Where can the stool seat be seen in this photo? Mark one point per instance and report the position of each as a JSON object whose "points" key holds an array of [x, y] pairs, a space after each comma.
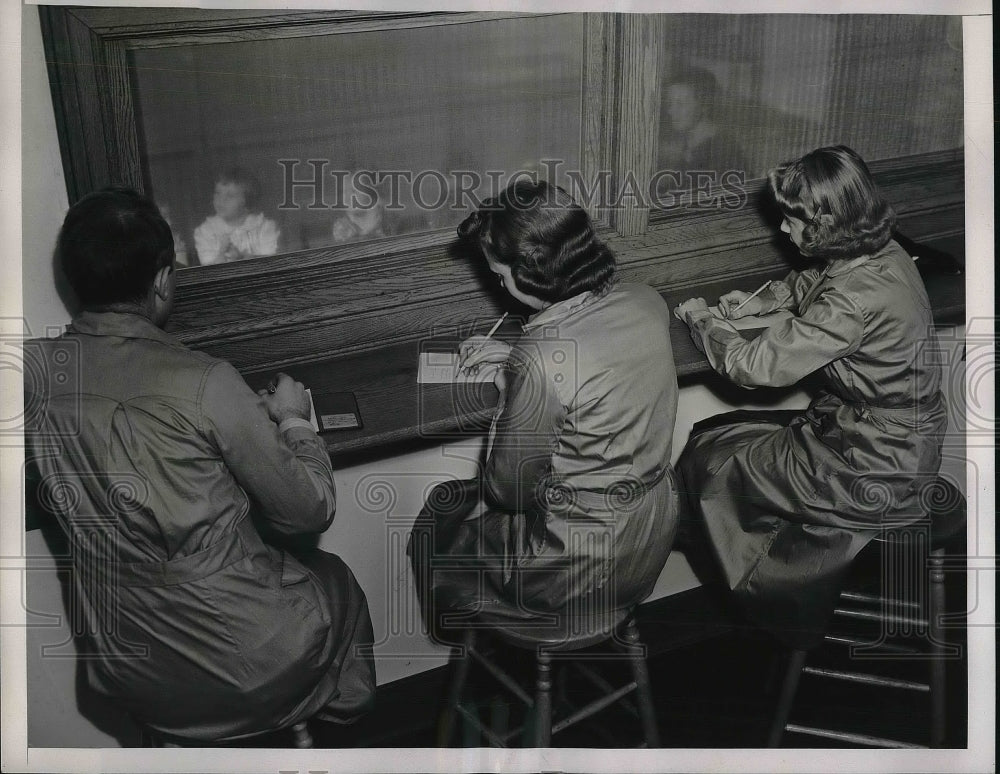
{"points": [[561, 632], [944, 517], [557, 640]]}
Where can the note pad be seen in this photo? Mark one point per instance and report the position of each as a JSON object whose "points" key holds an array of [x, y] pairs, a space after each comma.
{"points": [[442, 368], [337, 411]]}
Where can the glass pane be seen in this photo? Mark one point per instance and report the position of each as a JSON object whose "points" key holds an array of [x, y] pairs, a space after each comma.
{"points": [[745, 93], [424, 121]]}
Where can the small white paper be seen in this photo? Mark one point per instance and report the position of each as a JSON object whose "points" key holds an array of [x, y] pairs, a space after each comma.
{"points": [[339, 421], [442, 368], [312, 411]]}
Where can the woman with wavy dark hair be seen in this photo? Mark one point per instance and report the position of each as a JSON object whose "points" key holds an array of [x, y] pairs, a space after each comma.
{"points": [[577, 504], [788, 498]]}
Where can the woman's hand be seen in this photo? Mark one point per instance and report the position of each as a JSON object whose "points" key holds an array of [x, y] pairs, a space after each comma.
{"points": [[732, 299], [690, 310], [478, 351]]}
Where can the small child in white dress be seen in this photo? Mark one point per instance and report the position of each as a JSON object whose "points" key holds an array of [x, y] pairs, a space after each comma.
{"points": [[236, 231]]}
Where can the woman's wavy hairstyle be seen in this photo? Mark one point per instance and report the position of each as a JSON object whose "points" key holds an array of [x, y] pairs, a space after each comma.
{"points": [[834, 182], [545, 238]]}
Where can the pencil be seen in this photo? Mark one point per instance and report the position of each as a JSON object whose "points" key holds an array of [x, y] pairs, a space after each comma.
{"points": [[756, 293], [494, 329]]}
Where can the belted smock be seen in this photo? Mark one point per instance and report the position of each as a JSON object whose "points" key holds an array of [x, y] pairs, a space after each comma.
{"points": [[789, 498]]}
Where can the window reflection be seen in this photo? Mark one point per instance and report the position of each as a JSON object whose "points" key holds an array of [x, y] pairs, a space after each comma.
{"points": [[237, 229], [345, 138], [742, 93], [692, 137]]}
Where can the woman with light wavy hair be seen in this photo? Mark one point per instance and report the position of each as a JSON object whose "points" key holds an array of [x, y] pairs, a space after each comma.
{"points": [[788, 498]]}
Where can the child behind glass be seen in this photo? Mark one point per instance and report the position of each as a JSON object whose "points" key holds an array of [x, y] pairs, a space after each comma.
{"points": [[237, 230]]}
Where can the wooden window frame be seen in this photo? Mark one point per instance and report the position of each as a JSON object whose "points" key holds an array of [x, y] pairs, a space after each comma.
{"points": [[87, 50], [336, 301]]}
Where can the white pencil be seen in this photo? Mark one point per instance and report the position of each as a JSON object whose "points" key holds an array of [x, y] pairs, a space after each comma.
{"points": [[756, 293], [494, 329]]}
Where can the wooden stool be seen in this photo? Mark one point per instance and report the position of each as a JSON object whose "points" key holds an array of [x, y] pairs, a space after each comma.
{"points": [[908, 606], [550, 650], [300, 738]]}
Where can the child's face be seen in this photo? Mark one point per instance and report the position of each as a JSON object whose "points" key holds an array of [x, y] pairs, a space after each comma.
{"points": [[229, 201]]}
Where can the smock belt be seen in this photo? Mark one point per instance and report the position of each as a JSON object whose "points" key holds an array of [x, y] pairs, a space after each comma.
{"points": [[898, 410], [621, 495], [242, 541], [829, 401]]}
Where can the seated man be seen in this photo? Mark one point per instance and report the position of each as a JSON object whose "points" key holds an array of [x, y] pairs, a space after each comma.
{"points": [[160, 465]]}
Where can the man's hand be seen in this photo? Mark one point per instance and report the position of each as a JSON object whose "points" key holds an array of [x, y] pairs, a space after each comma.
{"points": [[285, 398]]}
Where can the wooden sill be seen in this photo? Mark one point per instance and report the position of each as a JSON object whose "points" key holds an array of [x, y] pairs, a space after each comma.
{"points": [[400, 415]]}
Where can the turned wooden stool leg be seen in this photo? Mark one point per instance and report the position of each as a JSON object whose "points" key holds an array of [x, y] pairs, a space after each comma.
{"points": [[301, 737], [789, 686], [935, 611], [543, 699], [643, 689], [446, 727]]}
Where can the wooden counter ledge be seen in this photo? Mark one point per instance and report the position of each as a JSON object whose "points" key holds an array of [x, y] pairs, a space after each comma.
{"points": [[399, 415]]}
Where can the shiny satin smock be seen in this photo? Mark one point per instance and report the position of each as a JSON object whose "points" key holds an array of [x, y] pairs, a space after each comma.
{"points": [[577, 504], [161, 466], [788, 499]]}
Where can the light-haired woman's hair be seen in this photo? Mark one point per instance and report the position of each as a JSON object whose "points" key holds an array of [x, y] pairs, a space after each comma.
{"points": [[545, 238], [832, 191]]}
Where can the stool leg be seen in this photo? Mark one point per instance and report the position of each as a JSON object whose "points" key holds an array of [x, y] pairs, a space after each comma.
{"points": [[643, 689], [446, 727], [543, 700], [789, 686], [936, 608]]}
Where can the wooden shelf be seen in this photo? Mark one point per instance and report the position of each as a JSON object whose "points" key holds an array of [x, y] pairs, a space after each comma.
{"points": [[399, 415]]}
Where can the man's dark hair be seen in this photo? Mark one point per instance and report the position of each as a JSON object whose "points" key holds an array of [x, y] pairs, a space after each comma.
{"points": [[111, 245]]}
